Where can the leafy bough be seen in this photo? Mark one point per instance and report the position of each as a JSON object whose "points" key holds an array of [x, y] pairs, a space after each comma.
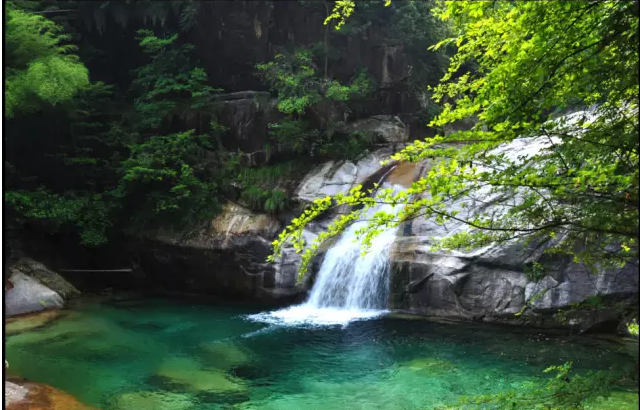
{"points": [[578, 191]]}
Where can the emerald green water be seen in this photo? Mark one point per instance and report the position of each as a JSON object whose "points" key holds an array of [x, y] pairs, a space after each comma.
{"points": [[199, 357]]}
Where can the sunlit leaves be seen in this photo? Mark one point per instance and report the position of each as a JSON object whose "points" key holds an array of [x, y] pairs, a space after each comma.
{"points": [[40, 68], [535, 59]]}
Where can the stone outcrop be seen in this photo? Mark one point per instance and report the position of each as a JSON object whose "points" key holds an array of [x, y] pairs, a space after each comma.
{"points": [[492, 282], [34, 287], [333, 177], [387, 128], [246, 114], [226, 257]]}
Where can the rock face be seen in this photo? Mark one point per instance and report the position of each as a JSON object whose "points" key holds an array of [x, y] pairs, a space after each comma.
{"points": [[331, 178], [246, 114], [227, 257], [387, 128], [492, 282], [35, 288]]}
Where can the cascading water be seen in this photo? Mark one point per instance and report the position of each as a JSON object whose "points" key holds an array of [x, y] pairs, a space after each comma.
{"points": [[349, 286], [349, 280]]}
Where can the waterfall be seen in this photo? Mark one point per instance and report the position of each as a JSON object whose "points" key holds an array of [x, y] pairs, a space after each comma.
{"points": [[349, 280], [349, 285]]}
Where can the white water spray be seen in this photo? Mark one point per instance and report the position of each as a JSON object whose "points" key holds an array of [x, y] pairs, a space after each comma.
{"points": [[349, 286]]}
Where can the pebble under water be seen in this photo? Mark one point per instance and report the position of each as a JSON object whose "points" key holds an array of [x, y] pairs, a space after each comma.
{"points": [[175, 355]]}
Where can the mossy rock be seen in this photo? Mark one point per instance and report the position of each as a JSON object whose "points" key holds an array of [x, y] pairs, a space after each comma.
{"points": [[431, 364], [187, 374], [151, 400], [224, 355]]}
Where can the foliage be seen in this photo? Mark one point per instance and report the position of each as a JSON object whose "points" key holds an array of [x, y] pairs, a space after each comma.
{"points": [[299, 88], [632, 328], [414, 24], [579, 192], [342, 9], [168, 85], [353, 146], [161, 175], [89, 214], [565, 391], [265, 188], [102, 168], [293, 133], [301, 91], [40, 68], [43, 74], [166, 175]]}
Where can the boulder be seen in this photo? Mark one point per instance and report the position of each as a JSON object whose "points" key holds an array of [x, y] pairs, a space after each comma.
{"points": [[14, 393], [46, 276], [34, 287], [29, 295]]}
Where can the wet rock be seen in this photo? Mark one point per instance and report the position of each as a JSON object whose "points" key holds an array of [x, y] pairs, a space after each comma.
{"points": [[328, 179], [334, 177], [225, 257], [403, 174]]}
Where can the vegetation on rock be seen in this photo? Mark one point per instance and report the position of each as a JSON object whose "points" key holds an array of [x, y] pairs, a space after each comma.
{"points": [[580, 192], [130, 145]]}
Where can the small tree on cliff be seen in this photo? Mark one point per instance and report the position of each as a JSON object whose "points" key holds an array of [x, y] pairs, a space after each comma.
{"points": [[534, 60], [304, 97]]}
